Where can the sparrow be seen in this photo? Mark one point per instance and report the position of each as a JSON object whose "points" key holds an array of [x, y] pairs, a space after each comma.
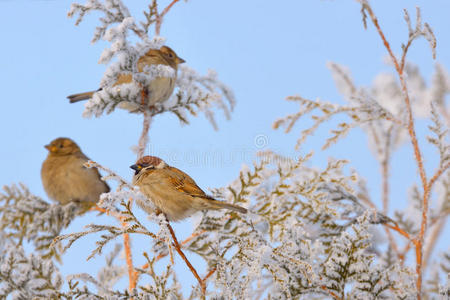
{"points": [[172, 191], [159, 89], [66, 179]]}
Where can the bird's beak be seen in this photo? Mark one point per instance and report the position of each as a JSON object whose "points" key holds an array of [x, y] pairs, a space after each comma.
{"points": [[180, 60], [136, 168], [50, 148]]}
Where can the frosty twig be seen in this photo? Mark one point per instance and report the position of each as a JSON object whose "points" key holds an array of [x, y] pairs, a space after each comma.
{"points": [[188, 263], [159, 17], [399, 67]]}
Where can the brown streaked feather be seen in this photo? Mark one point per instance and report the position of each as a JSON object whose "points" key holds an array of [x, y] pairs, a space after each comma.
{"points": [[152, 57], [184, 183], [123, 78], [174, 192]]}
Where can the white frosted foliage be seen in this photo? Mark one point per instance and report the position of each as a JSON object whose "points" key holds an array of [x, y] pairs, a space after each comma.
{"points": [[309, 232]]}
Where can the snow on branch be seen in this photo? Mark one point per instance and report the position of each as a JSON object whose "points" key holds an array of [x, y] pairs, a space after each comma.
{"points": [[194, 93], [365, 112], [309, 232], [28, 276], [379, 109], [124, 195], [298, 217], [114, 12], [26, 217], [440, 140], [199, 93]]}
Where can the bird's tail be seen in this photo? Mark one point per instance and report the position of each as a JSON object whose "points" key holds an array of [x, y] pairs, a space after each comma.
{"points": [[216, 204], [80, 97]]}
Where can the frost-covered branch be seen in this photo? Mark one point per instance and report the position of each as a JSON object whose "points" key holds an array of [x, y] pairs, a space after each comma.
{"points": [[399, 67], [441, 138], [420, 30], [27, 276], [297, 213], [195, 93], [364, 111], [386, 112], [26, 217]]}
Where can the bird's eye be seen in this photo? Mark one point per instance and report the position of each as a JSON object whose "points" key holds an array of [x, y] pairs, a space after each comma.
{"points": [[170, 55], [61, 146]]}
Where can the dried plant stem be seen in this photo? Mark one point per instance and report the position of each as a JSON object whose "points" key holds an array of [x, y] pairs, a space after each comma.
{"points": [[132, 278], [128, 254], [399, 70], [159, 17], [143, 140], [391, 239], [331, 293], [404, 252], [402, 232], [392, 242], [438, 174], [439, 225], [374, 19], [129, 260], [385, 197], [187, 240], [417, 244], [385, 163], [209, 274], [188, 263], [385, 179], [415, 144], [162, 255]]}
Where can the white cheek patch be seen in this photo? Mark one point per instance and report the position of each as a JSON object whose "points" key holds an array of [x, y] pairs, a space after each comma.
{"points": [[161, 165]]}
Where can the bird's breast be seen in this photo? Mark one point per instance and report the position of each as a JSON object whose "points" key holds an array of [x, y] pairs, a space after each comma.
{"points": [[160, 89]]}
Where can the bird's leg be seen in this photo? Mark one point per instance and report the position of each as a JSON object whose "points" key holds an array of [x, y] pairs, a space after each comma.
{"points": [[144, 95], [144, 98]]}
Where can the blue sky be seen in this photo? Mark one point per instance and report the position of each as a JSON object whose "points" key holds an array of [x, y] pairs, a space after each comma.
{"points": [[262, 50]]}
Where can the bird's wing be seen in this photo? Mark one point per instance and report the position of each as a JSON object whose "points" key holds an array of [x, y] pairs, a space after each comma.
{"points": [[152, 57], [123, 78], [184, 183], [94, 171]]}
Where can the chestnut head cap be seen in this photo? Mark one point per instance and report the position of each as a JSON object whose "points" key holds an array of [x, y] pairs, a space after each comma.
{"points": [[147, 162]]}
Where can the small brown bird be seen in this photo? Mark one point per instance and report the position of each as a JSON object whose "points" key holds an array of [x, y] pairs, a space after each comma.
{"points": [[65, 179], [159, 89], [173, 191]]}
